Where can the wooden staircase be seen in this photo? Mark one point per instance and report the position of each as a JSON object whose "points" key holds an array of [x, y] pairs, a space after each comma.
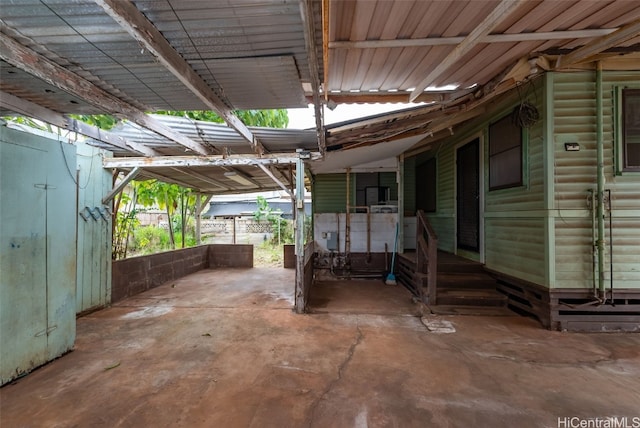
{"points": [[444, 280], [460, 283]]}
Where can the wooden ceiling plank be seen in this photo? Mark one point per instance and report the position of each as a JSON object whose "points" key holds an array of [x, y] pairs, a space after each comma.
{"points": [[600, 44], [129, 17], [43, 68], [497, 15]]}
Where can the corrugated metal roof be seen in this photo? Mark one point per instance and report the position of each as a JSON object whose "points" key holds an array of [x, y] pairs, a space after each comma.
{"points": [[210, 134], [81, 36], [401, 69]]}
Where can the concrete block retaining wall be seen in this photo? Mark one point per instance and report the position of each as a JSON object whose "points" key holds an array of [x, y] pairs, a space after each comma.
{"points": [[137, 274]]}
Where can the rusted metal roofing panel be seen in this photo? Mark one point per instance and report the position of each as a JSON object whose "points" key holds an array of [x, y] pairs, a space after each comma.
{"points": [[211, 134], [82, 37]]}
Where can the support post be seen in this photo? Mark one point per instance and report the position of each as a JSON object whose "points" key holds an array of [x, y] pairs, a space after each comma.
{"points": [[300, 295], [198, 218], [600, 182], [400, 183]]}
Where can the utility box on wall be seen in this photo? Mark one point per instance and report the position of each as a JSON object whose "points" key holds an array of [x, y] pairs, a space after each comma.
{"points": [[37, 251]]}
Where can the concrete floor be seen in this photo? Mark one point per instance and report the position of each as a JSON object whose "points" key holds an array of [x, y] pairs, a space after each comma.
{"points": [[223, 349]]}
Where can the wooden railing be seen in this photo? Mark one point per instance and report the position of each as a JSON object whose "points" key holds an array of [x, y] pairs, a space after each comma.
{"points": [[426, 257]]}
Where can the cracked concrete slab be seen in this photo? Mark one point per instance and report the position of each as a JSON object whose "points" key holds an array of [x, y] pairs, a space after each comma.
{"points": [[230, 352]]}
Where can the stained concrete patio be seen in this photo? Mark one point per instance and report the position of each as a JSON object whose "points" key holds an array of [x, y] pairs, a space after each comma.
{"points": [[222, 348]]}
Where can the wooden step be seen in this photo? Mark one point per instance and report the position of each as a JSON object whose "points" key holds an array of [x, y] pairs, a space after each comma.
{"points": [[489, 311], [465, 280], [460, 267], [471, 297]]}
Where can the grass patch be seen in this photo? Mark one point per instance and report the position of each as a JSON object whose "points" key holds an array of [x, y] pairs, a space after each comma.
{"points": [[268, 254]]}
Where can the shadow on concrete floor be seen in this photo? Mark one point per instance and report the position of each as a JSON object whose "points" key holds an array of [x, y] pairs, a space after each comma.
{"points": [[222, 348]]}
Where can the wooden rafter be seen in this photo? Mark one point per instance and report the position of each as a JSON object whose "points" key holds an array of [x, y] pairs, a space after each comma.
{"points": [[497, 15], [306, 11], [489, 38], [275, 179], [27, 108], [129, 17], [599, 45], [43, 68]]}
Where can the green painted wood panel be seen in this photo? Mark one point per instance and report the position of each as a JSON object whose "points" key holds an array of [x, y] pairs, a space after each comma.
{"points": [[330, 193], [93, 288], [37, 251], [575, 172]]}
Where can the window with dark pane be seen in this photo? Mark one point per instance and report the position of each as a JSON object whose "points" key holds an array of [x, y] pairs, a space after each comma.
{"points": [[631, 129], [505, 154]]}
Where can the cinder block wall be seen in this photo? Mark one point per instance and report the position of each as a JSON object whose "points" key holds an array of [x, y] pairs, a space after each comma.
{"points": [[137, 274]]}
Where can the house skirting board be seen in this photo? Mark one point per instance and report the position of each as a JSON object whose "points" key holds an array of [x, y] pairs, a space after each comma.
{"points": [[572, 309]]}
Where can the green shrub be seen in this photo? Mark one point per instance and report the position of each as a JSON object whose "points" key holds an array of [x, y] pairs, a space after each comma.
{"points": [[151, 239]]}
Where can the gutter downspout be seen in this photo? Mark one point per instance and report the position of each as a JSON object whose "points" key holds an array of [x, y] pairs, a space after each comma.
{"points": [[347, 227], [600, 184]]}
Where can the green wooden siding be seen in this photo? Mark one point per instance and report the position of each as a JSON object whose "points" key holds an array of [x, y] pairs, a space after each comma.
{"points": [[575, 172], [513, 218], [93, 288], [330, 193], [388, 179]]}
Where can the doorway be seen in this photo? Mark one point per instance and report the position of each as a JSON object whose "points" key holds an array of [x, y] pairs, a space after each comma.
{"points": [[468, 196]]}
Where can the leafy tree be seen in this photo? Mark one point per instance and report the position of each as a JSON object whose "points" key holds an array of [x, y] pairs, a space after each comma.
{"points": [[280, 227], [102, 121], [263, 118]]}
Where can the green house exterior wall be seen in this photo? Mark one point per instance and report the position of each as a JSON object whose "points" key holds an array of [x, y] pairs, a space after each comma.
{"points": [[574, 105], [512, 219], [541, 232]]}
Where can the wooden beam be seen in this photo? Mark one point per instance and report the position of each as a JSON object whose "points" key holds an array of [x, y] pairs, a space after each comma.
{"points": [[326, 4], [198, 161], [140, 28], [489, 38], [121, 185], [601, 44], [27, 108], [43, 68], [497, 15], [275, 179], [204, 204], [306, 11]]}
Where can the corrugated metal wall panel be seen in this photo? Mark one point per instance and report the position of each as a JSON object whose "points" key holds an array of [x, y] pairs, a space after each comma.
{"points": [[93, 288], [575, 172]]}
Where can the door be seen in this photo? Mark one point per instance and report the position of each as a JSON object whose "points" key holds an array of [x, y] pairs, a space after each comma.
{"points": [[38, 254], [468, 196]]}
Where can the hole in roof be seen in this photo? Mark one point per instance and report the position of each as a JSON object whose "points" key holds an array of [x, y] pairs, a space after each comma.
{"points": [[73, 102], [49, 91], [442, 88]]}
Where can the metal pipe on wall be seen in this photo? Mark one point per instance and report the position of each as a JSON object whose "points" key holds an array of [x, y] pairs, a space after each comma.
{"points": [[600, 182], [347, 227]]}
